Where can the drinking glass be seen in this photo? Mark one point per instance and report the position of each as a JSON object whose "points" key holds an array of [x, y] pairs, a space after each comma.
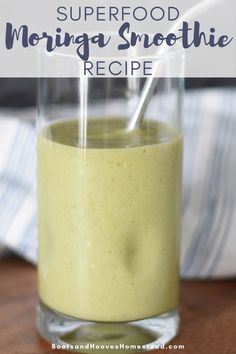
{"points": [[109, 213]]}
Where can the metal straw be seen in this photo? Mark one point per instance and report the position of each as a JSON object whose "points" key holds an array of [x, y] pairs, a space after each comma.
{"points": [[150, 84]]}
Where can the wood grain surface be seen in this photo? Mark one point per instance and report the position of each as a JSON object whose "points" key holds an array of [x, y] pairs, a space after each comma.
{"points": [[208, 313]]}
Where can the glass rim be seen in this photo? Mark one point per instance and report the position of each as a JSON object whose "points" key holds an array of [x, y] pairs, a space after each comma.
{"points": [[179, 53]]}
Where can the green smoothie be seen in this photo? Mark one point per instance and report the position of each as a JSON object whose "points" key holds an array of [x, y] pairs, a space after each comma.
{"points": [[109, 219]]}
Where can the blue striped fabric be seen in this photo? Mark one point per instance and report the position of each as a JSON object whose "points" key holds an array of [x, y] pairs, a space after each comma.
{"points": [[209, 193], [17, 188], [209, 201]]}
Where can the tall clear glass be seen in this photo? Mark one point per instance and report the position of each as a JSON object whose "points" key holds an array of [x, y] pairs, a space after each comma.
{"points": [[109, 213]]}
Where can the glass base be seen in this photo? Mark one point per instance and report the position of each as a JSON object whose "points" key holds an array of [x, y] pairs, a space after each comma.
{"points": [[106, 337]]}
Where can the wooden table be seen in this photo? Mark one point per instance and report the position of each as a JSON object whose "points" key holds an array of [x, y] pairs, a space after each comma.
{"points": [[208, 311]]}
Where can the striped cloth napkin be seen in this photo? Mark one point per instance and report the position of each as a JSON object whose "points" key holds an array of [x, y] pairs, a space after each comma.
{"points": [[209, 193], [17, 188]]}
